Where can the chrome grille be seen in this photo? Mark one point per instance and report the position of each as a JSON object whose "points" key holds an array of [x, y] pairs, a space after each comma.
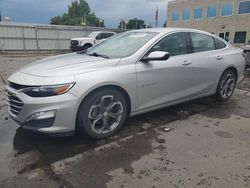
{"points": [[14, 103]]}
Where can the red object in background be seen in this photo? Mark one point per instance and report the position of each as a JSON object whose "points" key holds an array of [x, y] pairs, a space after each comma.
{"points": [[156, 18]]}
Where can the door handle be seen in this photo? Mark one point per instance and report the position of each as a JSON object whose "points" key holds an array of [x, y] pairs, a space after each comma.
{"points": [[219, 57], [187, 62]]}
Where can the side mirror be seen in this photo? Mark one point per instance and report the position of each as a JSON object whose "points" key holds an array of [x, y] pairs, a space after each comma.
{"points": [[156, 56]]}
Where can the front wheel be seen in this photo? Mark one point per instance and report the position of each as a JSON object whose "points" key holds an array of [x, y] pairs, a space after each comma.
{"points": [[226, 86], [102, 113], [86, 46]]}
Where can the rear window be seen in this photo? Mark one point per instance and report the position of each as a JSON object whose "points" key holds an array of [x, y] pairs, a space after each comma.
{"points": [[219, 44], [202, 42]]}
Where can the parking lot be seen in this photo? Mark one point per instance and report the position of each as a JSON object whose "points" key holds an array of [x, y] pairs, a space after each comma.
{"points": [[196, 144]]}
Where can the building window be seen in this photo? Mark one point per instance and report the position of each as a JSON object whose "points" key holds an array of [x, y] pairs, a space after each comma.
{"points": [[175, 16], [240, 37], [186, 14], [212, 11], [198, 12], [224, 35], [244, 7], [227, 9]]}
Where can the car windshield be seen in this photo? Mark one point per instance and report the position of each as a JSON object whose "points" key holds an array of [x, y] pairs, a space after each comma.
{"points": [[122, 45]]}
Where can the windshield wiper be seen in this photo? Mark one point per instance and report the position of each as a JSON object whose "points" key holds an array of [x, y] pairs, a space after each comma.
{"points": [[98, 55]]}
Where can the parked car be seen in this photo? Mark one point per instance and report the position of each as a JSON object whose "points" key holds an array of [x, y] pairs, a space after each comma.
{"points": [[247, 54], [129, 74], [83, 43]]}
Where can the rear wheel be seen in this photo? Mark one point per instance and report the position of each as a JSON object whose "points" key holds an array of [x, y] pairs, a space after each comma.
{"points": [[102, 113], [226, 86]]}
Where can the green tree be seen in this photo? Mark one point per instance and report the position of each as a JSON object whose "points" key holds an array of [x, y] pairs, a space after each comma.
{"points": [[79, 13], [135, 24], [122, 25]]}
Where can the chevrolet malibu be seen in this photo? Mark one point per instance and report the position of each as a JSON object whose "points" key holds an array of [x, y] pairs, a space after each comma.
{"points": [[94, 91]]}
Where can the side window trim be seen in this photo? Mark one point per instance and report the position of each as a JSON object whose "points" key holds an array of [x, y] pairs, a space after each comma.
{"points": [[190, 48], [215, 44]]}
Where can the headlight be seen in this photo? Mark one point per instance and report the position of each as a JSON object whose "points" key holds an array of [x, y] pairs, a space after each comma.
{"points": [[47, 91]]}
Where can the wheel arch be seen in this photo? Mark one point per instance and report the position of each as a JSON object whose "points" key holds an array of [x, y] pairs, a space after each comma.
{"points": [[234, 69], [88, 44]]}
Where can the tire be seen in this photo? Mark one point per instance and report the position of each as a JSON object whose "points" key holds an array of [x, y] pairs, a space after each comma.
{"points": [[226, 86], [86, 46], [102, 113]]}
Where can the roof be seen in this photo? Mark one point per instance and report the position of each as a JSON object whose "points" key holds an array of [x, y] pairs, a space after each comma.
{"points": [[169, 29]]}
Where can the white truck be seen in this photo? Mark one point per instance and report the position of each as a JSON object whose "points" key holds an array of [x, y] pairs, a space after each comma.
{"points": [[83, 43]]}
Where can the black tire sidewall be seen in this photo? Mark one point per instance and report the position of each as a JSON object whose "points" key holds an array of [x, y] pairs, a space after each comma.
{"points": [[83, 121], [218, 95], [86, 46]]}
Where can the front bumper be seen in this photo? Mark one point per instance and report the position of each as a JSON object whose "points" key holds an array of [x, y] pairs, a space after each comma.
{"points": [[64, 105]]}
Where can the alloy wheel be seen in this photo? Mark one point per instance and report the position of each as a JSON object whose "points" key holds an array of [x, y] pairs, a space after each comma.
{"points": [[105, 114], [227, 86]]}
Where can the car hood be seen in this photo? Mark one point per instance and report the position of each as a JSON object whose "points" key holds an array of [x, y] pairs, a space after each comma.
{"points": [[68, 65]]}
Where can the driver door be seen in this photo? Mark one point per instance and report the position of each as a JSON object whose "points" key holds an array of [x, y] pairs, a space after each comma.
{"points": [[164, 82]]}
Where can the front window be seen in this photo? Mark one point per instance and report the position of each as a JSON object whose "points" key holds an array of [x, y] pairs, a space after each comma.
{"points": [[198, 12], [175, 16], [122, 45], [227, 9], [186, 14], [240, 37], [175, 44], [244, 7], [212, 11]]}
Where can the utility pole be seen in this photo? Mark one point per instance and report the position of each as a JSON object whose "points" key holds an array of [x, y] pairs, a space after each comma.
{"points": [[100, 21], [122, 24]]}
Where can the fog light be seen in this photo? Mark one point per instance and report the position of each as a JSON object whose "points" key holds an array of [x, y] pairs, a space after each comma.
{"points": [[42, 115]]}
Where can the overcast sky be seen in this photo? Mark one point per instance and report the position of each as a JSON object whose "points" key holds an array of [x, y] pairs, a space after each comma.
{"points": [[112, 11]]}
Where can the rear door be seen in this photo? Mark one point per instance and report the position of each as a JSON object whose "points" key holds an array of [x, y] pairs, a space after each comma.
{"points": [[206, 64]]}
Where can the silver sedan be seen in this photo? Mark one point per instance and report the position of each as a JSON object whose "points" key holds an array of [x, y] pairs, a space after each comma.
{"points": [[94, 91]]}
